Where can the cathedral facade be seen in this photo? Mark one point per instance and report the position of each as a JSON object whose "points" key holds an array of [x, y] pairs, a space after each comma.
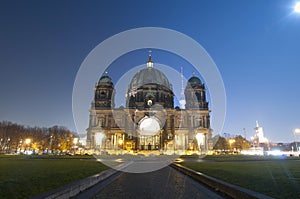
{"points": [[149, 122]]}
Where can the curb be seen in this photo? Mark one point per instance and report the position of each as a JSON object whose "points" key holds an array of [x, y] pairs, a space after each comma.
{"points": [[233, 191], [74, 188]]}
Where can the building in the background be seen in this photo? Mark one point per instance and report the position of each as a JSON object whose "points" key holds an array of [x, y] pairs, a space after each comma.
{"points": [[149, 122], [259, 140], [182, 101], [82, 139]]}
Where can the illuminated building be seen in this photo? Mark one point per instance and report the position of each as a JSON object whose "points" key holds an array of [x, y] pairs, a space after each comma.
{"points": [[259, 138], [149, 122]]}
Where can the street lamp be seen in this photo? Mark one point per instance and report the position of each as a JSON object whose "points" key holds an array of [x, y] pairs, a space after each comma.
{"points": [[7, 144], [51, 136]]}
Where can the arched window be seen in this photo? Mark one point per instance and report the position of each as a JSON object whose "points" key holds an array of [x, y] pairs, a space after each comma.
{"points": [[102, 95]]}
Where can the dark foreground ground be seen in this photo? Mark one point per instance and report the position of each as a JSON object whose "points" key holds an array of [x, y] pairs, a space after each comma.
{"points": [[163, 183]]}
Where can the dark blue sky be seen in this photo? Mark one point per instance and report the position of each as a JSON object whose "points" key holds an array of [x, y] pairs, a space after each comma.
{"points": [[254, 43]]}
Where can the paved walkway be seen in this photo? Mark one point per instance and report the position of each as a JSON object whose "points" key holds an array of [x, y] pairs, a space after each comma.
{"points": [[163, 183]]}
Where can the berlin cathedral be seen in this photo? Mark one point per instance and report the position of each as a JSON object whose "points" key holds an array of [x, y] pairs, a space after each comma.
{"points": [[149, 123]]}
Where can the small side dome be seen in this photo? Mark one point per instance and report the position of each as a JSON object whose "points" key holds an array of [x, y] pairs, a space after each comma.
{"points": [[194, 81], [105, 79]]}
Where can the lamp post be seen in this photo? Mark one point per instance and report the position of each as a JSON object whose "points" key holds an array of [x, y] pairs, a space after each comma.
{"points": [[51, 143], [7, 144]]}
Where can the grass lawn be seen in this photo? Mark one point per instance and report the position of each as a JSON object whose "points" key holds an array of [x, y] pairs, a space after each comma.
{"points": [[273, 177], [26, 176], [227, 158]]}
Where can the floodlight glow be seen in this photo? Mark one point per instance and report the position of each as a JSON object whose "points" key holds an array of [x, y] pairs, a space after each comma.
{"points": [[178, 160], [98, 138], [275, 152], [27, 141], [75, 141], [231, 141], [199, 138], [120, 142]]}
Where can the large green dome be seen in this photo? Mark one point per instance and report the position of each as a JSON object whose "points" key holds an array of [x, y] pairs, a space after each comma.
{"points": [[149, 76]]}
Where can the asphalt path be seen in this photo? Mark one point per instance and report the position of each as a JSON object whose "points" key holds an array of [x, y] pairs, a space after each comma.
{"points": [[164, 183]]}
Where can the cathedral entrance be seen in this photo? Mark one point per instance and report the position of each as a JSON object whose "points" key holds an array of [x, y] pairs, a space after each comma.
{"points": [[149, 142], [149, 128]]}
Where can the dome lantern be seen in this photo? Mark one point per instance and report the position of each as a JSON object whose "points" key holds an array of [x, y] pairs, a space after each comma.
{"points": [[149, 63]]}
